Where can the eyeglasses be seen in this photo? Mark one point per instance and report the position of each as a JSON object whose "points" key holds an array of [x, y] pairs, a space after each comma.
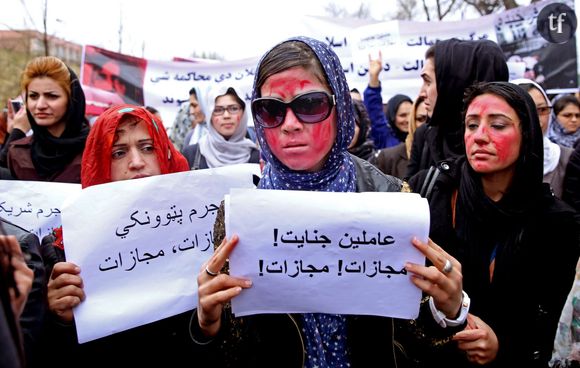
{"points": [[309, 108], [232, 109], [544, 110], [569, 115]]}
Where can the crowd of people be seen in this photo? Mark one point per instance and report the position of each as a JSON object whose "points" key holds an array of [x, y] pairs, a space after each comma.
{"points": [[498, 162]]}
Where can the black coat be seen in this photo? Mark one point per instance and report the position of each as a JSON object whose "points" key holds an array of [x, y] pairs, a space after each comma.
{"points": [[31, 319], [534, 267]]}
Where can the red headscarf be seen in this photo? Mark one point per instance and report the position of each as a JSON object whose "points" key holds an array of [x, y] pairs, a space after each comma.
{"points": [[96, 164]]}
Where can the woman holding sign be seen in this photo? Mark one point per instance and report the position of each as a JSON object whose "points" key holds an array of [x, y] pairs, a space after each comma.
{"points": [[517, 242], [305, 122], [126, 142]]}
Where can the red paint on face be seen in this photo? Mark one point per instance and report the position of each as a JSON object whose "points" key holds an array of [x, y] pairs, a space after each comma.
{"points": [[492, 135], [284, 87], [299, 146]]}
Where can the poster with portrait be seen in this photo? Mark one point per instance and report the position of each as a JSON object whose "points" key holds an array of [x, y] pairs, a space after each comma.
{"points": [[552, 65], [115, 73]]}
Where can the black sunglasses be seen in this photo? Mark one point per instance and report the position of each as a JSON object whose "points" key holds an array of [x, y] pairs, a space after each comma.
{"points": [[310, 108]]}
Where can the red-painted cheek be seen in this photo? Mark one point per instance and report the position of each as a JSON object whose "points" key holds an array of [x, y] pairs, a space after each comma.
{"points": [[272, 139], [323, 137], [468, 141], [506, 147]]}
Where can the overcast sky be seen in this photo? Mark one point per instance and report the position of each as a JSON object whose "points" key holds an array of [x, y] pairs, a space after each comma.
{"points": [[160, 30], [167, 28]]}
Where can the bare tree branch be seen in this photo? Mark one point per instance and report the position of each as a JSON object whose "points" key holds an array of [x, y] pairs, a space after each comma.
{"points": [[28, 16], [449, 8], [406, 8], [426, 10], [45, 30]]}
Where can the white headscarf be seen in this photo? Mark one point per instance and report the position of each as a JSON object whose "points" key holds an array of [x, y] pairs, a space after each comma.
{"points": [[551, 149], [215, 148]]}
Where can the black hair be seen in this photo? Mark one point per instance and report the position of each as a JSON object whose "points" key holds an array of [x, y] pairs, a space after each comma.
{"points": [[151, 109], [193, 92], [232, 92], [564, 101]]}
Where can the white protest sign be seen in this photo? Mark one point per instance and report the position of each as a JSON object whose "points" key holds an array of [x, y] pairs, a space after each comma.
{"points": [[140, 245], [323, 252], [34, 205], [167, 84]]}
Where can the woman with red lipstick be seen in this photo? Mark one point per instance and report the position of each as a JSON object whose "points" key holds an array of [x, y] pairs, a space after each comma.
{"points": [[518, 244], [225, 142], [126, 142], [55, 106], [305, 122]]}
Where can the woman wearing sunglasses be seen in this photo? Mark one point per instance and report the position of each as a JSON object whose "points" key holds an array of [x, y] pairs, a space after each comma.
{"points": [[225, 142], [304, 123]]}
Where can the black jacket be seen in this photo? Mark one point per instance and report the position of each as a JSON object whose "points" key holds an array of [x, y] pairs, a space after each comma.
{"points": [[534, 267], [31, 320]]}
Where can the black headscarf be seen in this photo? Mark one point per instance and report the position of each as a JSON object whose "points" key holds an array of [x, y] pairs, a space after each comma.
{"points": [[508, 217], [50, 154], [458, 64], [392, 107], [527, 182]]}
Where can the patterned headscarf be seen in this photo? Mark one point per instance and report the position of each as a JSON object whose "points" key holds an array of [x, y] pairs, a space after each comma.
{"points": [[325, 334], [338, 173], [558, 134], [96, 164]]}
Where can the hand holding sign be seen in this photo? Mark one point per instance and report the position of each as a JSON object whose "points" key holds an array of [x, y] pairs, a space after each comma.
{"points": [[215, 289]]}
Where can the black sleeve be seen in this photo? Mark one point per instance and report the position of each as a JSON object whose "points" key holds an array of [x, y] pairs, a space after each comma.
{"points": [[15, 135], [32, 318], [51, 254], [189, 153], [572, 180]]}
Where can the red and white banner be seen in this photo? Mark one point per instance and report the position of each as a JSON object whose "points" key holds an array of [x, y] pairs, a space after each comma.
{"points": [[164, 85]]}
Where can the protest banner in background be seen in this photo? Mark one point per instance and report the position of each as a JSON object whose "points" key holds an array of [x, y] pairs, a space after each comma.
{"points": [[324, 252], [164, 85], [34, 205], [140, 244], [167, 83]]}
